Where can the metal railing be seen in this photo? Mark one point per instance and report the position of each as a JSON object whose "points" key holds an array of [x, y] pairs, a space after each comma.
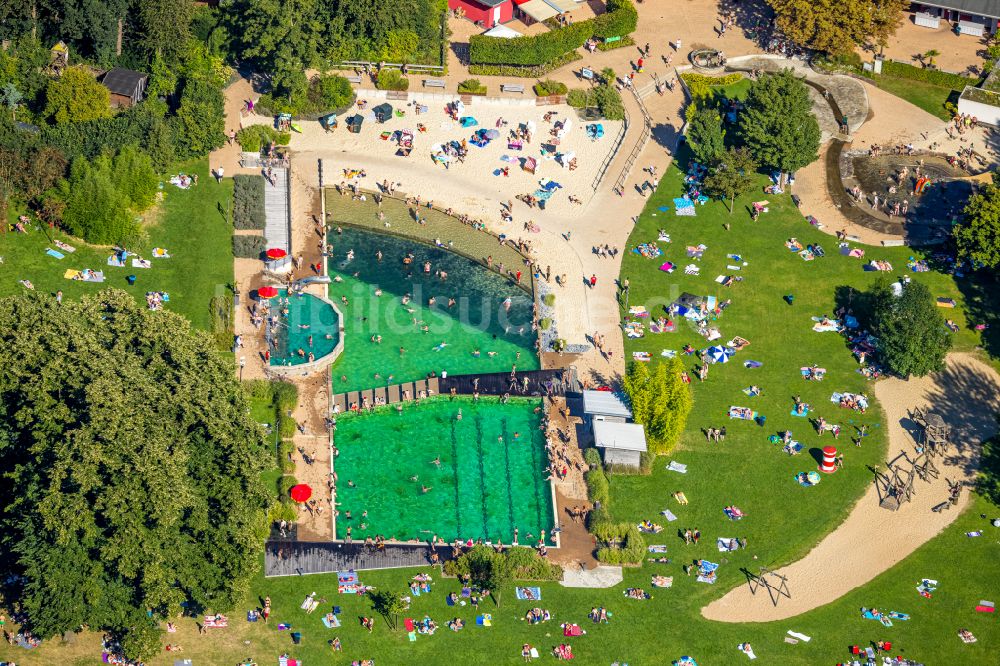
{"points": [[411, 68], [644, 134], [603, 169]]}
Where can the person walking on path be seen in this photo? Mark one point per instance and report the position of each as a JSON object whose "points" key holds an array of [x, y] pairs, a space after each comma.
{"points": [[219, 173], [593, 280]]}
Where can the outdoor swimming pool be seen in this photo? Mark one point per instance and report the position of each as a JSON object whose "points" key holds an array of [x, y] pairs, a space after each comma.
{"points": [[477, 334], [490, 480], [323, 327]]}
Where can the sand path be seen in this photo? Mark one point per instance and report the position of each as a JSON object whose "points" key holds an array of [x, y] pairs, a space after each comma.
{"points": [[966, 394]]}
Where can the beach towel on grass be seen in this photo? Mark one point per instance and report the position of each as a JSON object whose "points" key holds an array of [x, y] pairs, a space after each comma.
{"points": [[529, 593], [747, 650], [801, 637], [484, 620], [686, 212], [726, 545], [53, 253], [668, 514], [113, 260], [141, 263], [677, 467], [330, 624]]}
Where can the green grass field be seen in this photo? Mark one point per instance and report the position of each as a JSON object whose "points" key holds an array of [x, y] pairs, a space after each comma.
{"points": [[783, 519], [188, 224], [927, 96]]}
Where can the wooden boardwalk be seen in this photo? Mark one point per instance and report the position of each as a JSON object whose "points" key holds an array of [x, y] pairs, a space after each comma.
{"points": [[277, 226], [297, 558], [557, 382]]}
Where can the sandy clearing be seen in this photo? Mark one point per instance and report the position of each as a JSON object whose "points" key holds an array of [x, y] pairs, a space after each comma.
{"points": [[966, 394]]}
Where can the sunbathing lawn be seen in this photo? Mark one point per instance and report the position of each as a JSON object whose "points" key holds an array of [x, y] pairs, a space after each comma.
{"points": [[927, 96], [188, 224], [783, 519]]}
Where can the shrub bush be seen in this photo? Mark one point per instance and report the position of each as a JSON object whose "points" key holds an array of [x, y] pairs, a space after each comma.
{"points": [[472, 87], [630, 545], [286, 425], [283, 510], [249, 247], [598, 516], [286, 396], [597, 486], [577, 98], [254, 138], [524, 563], [248, 202], [544, 323], [548, 87], [549, 299], [392, 79], [285, 484], [592, 457]]}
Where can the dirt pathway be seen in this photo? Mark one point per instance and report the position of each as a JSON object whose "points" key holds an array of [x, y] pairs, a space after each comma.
{"points": [[872, 539]]}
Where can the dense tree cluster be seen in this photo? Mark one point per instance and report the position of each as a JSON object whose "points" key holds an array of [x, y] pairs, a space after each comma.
{"points": [[131, 468], [661, 401], [977, 237], [838, 26]]}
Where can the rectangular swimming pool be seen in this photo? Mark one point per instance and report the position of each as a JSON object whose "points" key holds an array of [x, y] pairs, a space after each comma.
{"points": [[482, 465]]}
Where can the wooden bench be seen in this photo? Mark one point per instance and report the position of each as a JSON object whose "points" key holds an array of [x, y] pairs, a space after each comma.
{"points": [[512, 87], [354, 79], [434, 83]]}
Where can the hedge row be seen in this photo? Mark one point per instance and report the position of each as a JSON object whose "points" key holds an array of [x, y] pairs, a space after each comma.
{"points": [[946, 79], [249, 247], [392, 79], [248, 202], [619, 21], [525, 71], [611, 46]]}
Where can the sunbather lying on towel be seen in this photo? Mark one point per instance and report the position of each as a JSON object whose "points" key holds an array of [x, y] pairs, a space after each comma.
{"points": [[637, 593], [662, 581], [733, 512]]}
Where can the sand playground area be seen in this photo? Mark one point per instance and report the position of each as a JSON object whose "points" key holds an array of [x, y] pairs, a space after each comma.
{"points": [[872, 539]]}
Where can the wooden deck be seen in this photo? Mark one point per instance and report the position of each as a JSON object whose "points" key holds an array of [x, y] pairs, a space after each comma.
{"points": [[558, 382], [296, 558]]}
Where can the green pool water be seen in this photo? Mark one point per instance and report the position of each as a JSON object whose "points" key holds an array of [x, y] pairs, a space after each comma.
{"points": [[483, 488], [289, 335], [478, 320]]}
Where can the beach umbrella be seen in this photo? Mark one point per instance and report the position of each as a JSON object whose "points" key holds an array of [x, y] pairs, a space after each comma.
{"points": [[267, 292], [276, 253], [530, 125], [492, 134], [720, 354], [301, 492]]}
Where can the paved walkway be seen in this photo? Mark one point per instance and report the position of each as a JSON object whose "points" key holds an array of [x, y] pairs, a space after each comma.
{"points": [[277, 223], [596, 578]]}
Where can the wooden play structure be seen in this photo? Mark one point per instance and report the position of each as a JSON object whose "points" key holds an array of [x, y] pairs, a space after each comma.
{"points": [[775, 583], [58, 59], [935, 434], [895, 485]]}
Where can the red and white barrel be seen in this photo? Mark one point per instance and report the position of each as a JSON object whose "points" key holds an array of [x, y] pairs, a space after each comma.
{"points": [[829, 465]]}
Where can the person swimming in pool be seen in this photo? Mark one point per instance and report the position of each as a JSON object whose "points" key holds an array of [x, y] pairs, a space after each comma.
{"points": [[440, 346], [350, 255], [436, 462], [425, 489], [476, 353], [414, 478]]}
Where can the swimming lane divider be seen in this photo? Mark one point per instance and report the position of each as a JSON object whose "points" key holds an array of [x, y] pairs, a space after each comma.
{"points": [[510, 491], [537, 476], [454, 468], [482, 477]]}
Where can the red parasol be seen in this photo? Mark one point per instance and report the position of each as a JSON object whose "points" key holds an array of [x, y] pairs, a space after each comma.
{"points": [[301, 492], [276, 253], [267, 292]]}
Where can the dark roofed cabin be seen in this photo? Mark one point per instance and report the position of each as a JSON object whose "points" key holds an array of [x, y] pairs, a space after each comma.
{"points": [[127, 87]]}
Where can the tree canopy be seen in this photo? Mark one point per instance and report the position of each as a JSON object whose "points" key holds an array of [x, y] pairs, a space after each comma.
{"points": [[837, 26], [705, 134], [661, 401], [912, 338], [77, 96], [978, 236], [733, 175], [131, 468], [777, 123]]}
